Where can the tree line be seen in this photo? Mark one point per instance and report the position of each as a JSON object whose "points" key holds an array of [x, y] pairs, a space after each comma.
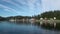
{"points": [[47, 14]]}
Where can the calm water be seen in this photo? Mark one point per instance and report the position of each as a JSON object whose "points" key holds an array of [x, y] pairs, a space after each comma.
{"points": [[13, 28]]}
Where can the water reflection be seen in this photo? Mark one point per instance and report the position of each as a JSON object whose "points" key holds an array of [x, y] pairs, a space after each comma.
{"points": [[23, 28]]}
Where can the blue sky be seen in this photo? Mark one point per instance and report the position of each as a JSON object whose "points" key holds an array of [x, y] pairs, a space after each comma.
{"points": [[27, 7]]}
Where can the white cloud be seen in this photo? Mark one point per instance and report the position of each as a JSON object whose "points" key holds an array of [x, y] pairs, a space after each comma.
{"points": [[51, 4], [16, 4], [35, 6], [9, 9], [11, 2], [30, 6], [21, 1]]}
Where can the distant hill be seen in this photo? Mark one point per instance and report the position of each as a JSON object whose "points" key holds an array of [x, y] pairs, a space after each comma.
{"points": [[49, 14], [2, 18], [14, 17]]}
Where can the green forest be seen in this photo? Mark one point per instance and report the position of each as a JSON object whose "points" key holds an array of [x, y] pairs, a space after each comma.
{"points": [[47, 14]]}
